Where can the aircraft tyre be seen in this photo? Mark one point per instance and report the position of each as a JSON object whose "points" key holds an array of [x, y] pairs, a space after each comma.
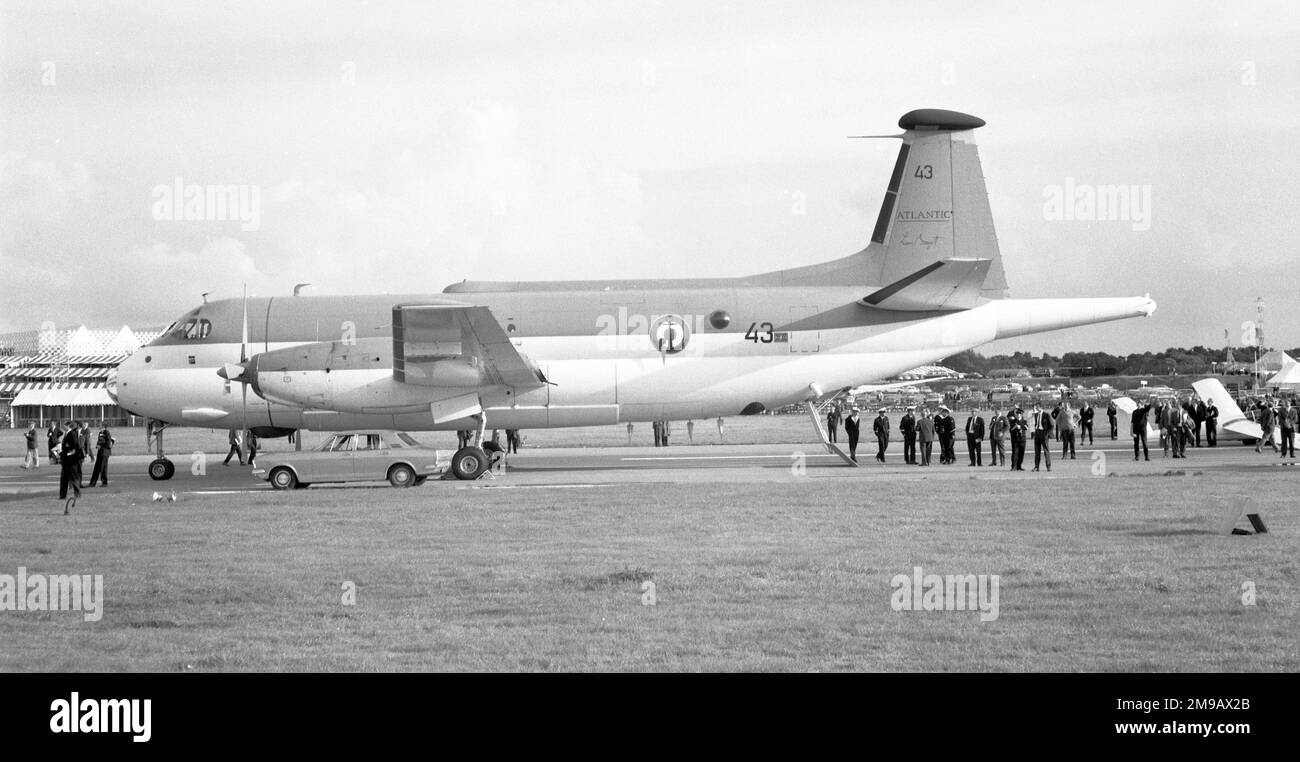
{"points": [[469, 463], [161, 469]]}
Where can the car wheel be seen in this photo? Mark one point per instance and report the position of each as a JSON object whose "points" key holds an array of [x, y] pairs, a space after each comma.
{"points": [[468, 463], [283, 478], [401, 475]]}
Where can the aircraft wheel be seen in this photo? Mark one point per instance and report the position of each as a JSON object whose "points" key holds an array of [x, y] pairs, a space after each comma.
{"points": [[468, 463], [283, 478], [401, 475], [161, 469]]}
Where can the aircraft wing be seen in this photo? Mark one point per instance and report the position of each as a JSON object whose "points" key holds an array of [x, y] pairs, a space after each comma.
{"points": [[426, 335]]}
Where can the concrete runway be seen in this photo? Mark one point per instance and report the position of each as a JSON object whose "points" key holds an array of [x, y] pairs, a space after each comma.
{"points": [[586, 467]]}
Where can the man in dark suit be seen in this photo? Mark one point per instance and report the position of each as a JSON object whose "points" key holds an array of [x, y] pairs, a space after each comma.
{"points": [[1085, 422], [236, 448], [1041, 423], [84, 433], [53, 436], [975, 438], [851, 427], [833, 422], [1287, 418], [1017, 426], [1264, 414], [907, 425], [1139, 427], [1198, 417], [880, 427], [1211, 424], [1112, 415], [103, 449], [946, 429], [70, 457]]}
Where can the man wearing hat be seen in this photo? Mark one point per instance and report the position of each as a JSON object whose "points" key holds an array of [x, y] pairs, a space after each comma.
{"points": [[907, 425], [1016, 427], [851, 428], [946, 428], [880, 427]]}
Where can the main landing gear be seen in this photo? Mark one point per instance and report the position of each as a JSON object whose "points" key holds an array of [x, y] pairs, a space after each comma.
{"points": [[160, 468], [471, 461]]}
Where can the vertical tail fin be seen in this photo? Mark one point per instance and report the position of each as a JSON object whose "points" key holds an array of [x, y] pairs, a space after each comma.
{"points": [[935, 209], [936, 206]]}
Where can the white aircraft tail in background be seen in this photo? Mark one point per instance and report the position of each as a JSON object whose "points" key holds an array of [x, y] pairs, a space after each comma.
{"points": [[1233, 423], [1127, 405]]}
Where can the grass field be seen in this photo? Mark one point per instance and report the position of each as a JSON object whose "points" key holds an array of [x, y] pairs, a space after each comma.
{"points": [[769, 573]]}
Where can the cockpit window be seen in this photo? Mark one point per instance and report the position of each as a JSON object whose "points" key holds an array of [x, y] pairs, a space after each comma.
{"points": [[196, 329]]}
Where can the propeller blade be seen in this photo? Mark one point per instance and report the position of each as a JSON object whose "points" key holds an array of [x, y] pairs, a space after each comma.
{"points": [[243, 343]]}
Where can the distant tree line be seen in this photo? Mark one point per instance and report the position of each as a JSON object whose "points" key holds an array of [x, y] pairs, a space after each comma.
{"points": [[1175, 360]]}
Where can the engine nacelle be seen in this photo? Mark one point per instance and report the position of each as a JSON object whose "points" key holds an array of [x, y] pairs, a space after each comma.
{"points": [[358, 377]]}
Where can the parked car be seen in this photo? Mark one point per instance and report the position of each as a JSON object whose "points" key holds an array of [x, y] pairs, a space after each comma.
{"points": [[355, 456]]}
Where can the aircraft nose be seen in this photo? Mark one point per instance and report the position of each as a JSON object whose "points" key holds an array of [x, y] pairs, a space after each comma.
{"points": [[124, 383], [111, 385]]}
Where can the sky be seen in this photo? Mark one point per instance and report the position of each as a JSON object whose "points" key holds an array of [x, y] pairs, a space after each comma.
{"points": [[400, 147]]}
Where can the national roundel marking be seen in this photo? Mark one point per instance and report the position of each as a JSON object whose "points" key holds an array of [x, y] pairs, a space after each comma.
{"points": [[669, 334]]}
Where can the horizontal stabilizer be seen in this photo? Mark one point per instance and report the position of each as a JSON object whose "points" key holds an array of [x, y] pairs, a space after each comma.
{"points": [[949, 284]]}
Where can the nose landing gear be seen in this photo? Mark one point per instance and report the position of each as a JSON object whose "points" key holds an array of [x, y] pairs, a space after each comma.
{"points": [[160, 468]]}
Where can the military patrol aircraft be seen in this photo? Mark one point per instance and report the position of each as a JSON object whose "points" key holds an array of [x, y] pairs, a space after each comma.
{"points": [[528, 355]]}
